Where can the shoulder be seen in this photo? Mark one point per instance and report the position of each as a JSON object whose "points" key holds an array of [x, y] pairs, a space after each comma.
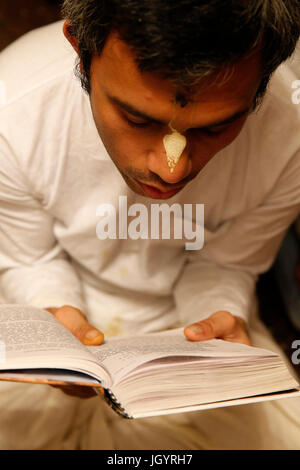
{"points": [[45, 115], [33, 60], [271, 136], [265, 158]]}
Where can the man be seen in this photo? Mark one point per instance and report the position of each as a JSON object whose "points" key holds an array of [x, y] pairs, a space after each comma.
{"points": [[150, 69]]}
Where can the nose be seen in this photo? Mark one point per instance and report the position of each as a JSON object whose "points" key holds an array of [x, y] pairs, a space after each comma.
{"points": [[157, 163]]}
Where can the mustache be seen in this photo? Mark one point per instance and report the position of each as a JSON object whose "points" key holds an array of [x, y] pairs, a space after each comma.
{"points": [[151, 178]]}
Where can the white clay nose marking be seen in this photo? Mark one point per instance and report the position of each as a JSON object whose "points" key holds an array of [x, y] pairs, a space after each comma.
{"points": [[174, 144]]}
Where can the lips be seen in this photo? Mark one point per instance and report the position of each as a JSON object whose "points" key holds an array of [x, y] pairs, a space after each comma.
{"points": [[156, 193]]}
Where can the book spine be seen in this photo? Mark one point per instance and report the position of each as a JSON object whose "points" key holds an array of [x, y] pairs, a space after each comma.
{"points": [[114, 404]]}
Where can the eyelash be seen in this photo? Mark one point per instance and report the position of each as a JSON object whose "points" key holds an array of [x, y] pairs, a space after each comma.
{"points": [[208, 131], [213, 132], [136, 124]]}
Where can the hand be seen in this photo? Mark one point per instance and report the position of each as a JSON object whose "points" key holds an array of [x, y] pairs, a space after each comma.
{"points": [[221, 325], [76, 322]]}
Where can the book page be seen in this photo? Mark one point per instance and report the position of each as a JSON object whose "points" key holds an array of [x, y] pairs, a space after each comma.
{"points": [[121, 355], [221, 404], [28, 332]]}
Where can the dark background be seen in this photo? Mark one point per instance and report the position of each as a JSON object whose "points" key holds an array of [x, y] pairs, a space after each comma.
{"points": [[19, 16]]}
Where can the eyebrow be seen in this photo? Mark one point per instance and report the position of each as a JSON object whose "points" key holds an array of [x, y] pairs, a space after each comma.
{"points": [[135, 112]]}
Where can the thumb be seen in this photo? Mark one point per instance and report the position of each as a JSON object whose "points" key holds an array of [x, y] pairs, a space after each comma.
{"points": [[219, 325], [76, 322]]}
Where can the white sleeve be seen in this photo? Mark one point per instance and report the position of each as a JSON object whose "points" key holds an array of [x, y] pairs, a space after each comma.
{"points": [[33, 267], [222, 276]]}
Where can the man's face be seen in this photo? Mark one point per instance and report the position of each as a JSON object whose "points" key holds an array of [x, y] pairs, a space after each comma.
{"points": [[132, 111]]}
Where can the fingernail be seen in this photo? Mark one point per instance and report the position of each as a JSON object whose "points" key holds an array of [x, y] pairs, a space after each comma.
{"points": [[197, 329], [92, 334]]}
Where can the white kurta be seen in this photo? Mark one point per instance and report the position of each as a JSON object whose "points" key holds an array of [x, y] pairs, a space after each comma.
{"points": [[55, 172]]}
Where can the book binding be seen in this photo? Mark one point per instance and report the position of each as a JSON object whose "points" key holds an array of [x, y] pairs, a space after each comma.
{"points": [[112, 401]]}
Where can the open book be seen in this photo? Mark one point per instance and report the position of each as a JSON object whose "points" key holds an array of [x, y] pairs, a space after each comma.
{"points": [[140, 376]]}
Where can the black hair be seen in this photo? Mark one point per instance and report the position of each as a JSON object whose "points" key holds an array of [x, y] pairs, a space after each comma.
{"points": [[184, 40]]}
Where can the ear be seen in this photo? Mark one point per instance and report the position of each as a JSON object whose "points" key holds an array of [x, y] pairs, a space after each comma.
{"points": [[67, 30]]}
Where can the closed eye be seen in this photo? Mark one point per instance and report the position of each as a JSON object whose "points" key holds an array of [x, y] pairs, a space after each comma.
{"points": [[135, 121], [210, 131], [215, 130]]}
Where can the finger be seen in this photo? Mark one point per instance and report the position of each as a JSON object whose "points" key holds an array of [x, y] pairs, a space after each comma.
{"points": [[240, 334], [76, 391], [76, 322], [221, 325]]}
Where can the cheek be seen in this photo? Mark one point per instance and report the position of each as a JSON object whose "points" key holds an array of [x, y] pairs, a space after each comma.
{"points": [[204, 148], [233, 133], [124, 148], [212, 145]]}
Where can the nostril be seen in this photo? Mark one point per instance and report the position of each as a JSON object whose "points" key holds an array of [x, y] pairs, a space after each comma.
{"points": [[157, 164]]}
